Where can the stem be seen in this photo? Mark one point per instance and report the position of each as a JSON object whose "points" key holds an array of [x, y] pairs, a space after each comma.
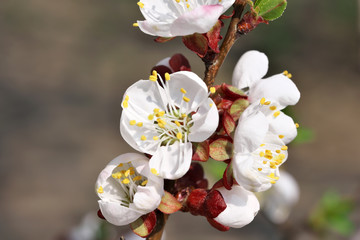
{"points": [[158, 232], [231, 36]]}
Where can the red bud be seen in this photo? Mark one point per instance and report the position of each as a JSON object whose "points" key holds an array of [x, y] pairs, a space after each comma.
{"points": [[214, 204]]}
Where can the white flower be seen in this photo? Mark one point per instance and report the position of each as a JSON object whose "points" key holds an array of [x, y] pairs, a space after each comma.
{"points": [[274, 93], [242, 207], [163, 120], [263, 130], [281, 198], [128, 189], [170, 18]]}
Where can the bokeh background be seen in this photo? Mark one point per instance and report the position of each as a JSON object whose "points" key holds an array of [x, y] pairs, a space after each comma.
{"points": [[64, 66]]}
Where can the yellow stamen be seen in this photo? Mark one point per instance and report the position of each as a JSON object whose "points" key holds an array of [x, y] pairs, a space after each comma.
{"points": [[156, 110], [285, 72], [183, 90], [186, 99], [262, 145], [264, 162], [281, 136], [137, 178], [135, 24], [260, 169], [156, 138], [143, 138], [272, 182], [177, 123], [125, 104], [188, 5], [126, 181], [167, 76], [211, 104], [140, 4], [276, 114], [151, 117], [262, 101], [212, 90], [120, 165], [132, 122], [153, 78], [262, 154], [289, 75], [297, 125], [284, 148], [140, 124], [127, 98], [267, 103], [272, 108], [100, 190], [183, 115], [154, 73], [127, 173], [179, 135], [278, 151], [153, 171], [144, 182]]}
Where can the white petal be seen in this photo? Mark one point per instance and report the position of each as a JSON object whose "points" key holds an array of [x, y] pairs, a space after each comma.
{"points": [[251, 131], [278, 88], [200, 20], [251, 67], [159, 10], [281, 198], [148, 198], [165, 62], [105, 180], [195, 87], [283, 125], [144, 96], [155, 28], [242, 207], [172, 162], [206, 121], [118, 215], [246, 176]]}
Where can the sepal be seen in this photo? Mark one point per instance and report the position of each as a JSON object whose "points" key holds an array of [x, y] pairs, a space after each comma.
{"points": [[169, 204], [144, 225], [221, 149]]}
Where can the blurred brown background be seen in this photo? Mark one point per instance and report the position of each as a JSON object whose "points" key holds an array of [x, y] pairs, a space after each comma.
{"points": [[64, 66]]}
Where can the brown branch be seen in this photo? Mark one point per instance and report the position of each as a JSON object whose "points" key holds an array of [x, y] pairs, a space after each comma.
{"points": [[231, 36]]}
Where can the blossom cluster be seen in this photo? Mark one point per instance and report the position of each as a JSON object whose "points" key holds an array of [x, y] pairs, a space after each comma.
{"points": [[174, 120]]}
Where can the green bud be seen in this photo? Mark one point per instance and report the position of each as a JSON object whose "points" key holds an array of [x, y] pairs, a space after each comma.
{"points": [[270, 9]]}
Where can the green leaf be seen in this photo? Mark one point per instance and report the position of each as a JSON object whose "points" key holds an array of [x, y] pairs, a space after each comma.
{"points": [[270, 9], [221, 149], [304, 135], [169, 204], [144, 225]]}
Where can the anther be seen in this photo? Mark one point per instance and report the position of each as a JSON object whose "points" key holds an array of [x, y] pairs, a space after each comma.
{"points": [[276, 114], [143, 138], [272, 108], [183, 90], [156, 138], [144, 182], [186, 99], [132, 122], [140, 4], [177, 123], [153, 171], [179, 135], [140, 124], [262, 101], [125, 104], [153, 78], [135, 24], [151, 117], [297, 125], [167, 76], [212, 90], [126, 181], [281, 136], [100, 190], [284, 148], [137, 178]]}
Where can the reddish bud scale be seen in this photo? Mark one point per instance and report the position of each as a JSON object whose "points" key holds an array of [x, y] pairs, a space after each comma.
{"points": [[100, 215], [214, 204], [217, 225], [249, 22], [195, 202], [144, 225]]}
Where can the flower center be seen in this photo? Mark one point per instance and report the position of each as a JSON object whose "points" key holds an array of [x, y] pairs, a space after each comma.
{"points": [[128, 179], [268, 157]]}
